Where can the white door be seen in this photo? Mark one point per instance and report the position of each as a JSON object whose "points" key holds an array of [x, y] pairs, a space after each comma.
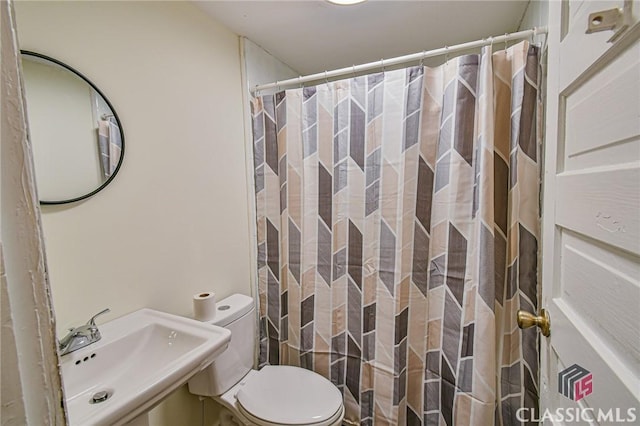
{"points": [[591, 220]]}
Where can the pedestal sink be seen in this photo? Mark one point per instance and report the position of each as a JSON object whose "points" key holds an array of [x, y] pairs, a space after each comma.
{"points": [[141, 358]]}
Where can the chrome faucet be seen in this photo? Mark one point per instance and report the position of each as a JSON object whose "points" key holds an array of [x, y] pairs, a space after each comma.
{"points": [[82, 336]]}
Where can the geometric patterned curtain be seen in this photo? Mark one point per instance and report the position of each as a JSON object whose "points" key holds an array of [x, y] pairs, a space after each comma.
{"points": [[398, 225]]}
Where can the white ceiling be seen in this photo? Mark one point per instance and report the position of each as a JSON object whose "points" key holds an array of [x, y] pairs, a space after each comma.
{"points": [[313, 35]]}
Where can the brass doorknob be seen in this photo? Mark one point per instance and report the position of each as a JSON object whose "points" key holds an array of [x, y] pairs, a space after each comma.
{"points": [[527, 319]]}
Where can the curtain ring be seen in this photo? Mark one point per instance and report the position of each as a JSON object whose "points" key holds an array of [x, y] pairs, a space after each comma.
{"points": [[505, 41], [491, 43], [422, 58], [326, 79], [277, 86], [446, 55], [382, 64], [300, 84], [353, 68]]}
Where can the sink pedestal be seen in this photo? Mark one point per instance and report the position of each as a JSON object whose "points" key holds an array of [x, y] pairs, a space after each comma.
{"points": [[141, 420]]}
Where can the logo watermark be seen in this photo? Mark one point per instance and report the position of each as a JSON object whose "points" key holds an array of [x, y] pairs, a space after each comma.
{"points": [[575, 382]]}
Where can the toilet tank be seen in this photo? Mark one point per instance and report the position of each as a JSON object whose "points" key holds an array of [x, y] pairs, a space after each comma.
{"points": [[235, 313]]}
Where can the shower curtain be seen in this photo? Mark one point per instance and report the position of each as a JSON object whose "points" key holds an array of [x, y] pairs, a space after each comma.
{"points": [[397, 218], [109, 145]]}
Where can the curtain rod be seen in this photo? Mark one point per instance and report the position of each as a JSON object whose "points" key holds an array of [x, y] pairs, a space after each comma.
{"points": [[382, 63]]}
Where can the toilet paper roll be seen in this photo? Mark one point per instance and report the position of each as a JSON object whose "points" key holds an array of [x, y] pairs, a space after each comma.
{"points": [[204, 306]]}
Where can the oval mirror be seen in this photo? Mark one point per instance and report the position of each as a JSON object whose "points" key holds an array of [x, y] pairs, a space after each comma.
{"points": [[76, 135]]}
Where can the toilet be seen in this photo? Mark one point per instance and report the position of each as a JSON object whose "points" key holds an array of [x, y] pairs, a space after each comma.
{"points": [[274, 395]]}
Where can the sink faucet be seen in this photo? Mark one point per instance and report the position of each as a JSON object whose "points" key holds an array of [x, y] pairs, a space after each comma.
{"points": [[82, 336]]}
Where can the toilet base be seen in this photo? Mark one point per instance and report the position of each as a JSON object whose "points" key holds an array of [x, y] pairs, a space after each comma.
{"points": [[228, 419]]}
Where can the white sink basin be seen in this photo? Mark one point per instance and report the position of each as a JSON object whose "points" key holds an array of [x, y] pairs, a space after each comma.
{"points": [[141, 358]]}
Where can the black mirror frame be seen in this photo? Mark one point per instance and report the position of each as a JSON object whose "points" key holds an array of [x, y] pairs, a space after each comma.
{"points": [[115, 115]]}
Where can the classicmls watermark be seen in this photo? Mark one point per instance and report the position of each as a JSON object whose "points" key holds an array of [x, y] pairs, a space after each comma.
{"points": [[577, 414], [575, 383]]}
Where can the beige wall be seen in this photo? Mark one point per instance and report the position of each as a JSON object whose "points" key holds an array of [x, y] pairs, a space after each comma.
{"points": [[175, 220], [536, 15], [262, 67]]}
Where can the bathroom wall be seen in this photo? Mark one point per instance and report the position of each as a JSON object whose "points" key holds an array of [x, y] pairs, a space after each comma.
{"points": [[174, 221], [536, 15], [262, 67]]}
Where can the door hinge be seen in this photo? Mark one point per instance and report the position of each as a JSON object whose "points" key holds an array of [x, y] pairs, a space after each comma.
{"points": [[617, 19]]}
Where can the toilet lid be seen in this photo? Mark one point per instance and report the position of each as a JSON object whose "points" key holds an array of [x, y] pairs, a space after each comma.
{"points": [[289, 395]]}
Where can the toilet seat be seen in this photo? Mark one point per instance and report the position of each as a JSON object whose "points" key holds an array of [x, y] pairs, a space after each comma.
{"points": [[286, 395]]}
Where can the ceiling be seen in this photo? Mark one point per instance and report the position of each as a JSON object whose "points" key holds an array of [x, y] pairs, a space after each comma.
{"points": [[314, 35]]}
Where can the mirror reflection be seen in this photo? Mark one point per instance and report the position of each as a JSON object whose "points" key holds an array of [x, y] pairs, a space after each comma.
{"points": [[78, 142]]}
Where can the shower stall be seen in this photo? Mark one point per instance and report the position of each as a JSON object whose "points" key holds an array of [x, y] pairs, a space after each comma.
{"points": [[397, 230]]}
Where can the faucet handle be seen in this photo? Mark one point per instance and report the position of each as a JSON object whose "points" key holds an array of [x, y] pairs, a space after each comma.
{"points": [[92, 321]]}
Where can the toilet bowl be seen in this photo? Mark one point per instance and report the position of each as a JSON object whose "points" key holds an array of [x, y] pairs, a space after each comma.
{"points": [[274, 395]]}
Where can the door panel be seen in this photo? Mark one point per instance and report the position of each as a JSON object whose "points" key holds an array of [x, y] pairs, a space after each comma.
{"points": [[602, 113], [591, 214], [613, 382], [602, 204], [596, 282]]}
